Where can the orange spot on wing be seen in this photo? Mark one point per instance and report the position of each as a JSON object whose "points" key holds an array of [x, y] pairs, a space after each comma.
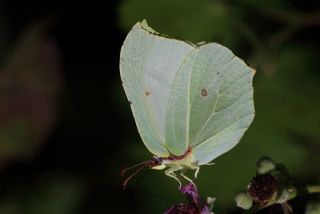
{"points": [[204, 92], [147, 93]]}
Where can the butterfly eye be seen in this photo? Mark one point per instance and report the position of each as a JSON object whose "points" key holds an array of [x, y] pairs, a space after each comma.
{"points": [[157, 161]]}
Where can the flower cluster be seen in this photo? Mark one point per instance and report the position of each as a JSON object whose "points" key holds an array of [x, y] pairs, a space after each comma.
{"points": [[271, 185]]}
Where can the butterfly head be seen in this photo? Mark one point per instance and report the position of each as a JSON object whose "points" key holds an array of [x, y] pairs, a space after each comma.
{"points": [[157, 163]]}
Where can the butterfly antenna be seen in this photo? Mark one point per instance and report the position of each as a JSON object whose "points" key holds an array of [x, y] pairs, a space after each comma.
{"points": [[136, 172], [123, 171]]}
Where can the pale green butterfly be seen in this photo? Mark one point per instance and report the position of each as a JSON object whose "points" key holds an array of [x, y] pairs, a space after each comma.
{"points": [[191, 103]]}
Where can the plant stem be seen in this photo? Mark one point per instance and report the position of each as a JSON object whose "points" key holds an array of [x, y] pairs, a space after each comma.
{"points": [[313, 188], [293, 17]]}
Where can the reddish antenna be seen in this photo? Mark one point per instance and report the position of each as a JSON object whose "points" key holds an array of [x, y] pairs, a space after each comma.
{"points": [[149, 163]]}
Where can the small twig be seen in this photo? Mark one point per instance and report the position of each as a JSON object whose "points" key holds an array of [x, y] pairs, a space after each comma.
{"points": [[282, 36], [289, 17], [247, 33], [293, 17], [313, 189]]}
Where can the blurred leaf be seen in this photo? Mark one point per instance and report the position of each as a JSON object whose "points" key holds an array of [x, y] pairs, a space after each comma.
{"points": [[10, 206], [291, 92], [29, 86], [4, 32], [54, 195], [188, 19], [13, 132], [262, 4]]}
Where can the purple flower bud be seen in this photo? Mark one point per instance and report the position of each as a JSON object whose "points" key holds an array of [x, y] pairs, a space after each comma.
{"points": [[193, 205], [183, 208], [191, 192]]}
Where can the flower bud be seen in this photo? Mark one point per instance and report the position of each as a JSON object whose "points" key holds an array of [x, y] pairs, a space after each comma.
{"points": [[194, 204], [263, 188], [243, 200], [265, 165]]}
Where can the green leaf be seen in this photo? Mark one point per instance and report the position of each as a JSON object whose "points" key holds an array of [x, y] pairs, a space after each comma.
{"points": [[191, 20]]}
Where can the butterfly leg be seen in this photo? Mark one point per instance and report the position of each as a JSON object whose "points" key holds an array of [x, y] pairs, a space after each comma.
{"points": [[197, 171], [186, 177], [209, 164], [170, 172]]}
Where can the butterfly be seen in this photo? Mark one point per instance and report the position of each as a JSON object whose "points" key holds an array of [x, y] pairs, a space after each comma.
{"points": [[191, 103]]}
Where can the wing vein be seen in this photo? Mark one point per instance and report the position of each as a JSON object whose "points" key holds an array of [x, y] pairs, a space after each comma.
{"points": [[224, 130], [226, 108]]}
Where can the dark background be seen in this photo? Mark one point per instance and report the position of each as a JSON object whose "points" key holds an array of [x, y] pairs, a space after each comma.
{"points": [[66, 128]]}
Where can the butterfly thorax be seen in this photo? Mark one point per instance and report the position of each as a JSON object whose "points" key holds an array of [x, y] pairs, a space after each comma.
{"points": [[186, 160]]}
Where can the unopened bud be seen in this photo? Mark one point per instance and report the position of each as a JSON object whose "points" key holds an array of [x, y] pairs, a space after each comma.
{"points": [[243, 200], [265, 165], [263, 188]]}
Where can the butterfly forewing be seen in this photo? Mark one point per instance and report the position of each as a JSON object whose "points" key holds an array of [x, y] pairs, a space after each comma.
{"points": [[148, 66]]}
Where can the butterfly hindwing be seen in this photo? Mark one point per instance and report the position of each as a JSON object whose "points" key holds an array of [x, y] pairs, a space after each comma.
{"points": [[211, 103]]}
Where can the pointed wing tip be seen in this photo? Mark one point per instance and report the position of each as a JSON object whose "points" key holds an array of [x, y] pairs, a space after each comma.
{"points": [[253, 71], [137, 28], [143, 25]]}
